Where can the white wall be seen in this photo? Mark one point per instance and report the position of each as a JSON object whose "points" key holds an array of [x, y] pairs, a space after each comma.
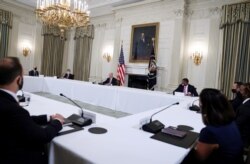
{"points": [[182, 25], [25, 31]]}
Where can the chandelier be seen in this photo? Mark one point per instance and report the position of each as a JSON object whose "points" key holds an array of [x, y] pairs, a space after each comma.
{"points": [[63, 14]]}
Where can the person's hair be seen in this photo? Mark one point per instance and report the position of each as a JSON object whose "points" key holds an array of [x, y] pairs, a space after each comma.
{"points": [[10, 68], [246, 89], [238, 83], [186, 80], [215, 108]]}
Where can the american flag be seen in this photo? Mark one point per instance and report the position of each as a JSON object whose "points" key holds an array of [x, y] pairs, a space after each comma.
{"points": [[121, 68]]}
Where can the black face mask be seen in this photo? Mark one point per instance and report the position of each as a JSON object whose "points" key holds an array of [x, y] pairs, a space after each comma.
{"points": [[20, 84], [234, 90], [239, 95]]}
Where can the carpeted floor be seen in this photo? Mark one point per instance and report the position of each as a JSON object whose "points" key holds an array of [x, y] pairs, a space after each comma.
{"points": [[97, 109]]}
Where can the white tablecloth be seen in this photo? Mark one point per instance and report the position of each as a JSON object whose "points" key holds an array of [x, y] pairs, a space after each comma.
{"points": [[124, 142], [113, 97]]}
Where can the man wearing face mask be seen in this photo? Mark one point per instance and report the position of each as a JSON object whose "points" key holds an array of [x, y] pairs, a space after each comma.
{"points": [[68, 75], [237, 101], [22, 138], [34, 72], [243, 114]]}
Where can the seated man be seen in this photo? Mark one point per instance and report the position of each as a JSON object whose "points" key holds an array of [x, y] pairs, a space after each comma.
{"points": [[110, 80], [22, 137], [68, 75], [243, 115], [238, 99], [34, 72], [186, 88]]}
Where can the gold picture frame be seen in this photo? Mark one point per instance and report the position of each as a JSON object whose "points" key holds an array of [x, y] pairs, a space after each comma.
{"points": [[143, 38]]}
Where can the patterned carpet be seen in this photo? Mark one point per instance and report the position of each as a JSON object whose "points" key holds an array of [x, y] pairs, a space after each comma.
{"points": [[97, 109]]}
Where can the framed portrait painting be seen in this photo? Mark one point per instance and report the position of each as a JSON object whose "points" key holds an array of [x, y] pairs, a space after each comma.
{"points": [[144, 38]]}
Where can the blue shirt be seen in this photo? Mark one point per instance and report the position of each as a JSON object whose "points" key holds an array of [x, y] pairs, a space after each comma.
{"points": [[227, 137]]}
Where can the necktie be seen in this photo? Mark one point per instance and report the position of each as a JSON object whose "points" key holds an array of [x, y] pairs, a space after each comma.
{"points": [[185, 89]]}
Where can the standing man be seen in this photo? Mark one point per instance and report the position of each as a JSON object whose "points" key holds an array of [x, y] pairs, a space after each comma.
{"points": [[34, 72], [186, 88], [22, 138]]}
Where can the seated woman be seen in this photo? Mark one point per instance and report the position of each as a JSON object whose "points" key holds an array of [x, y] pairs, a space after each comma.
{"points": [[220, 141]]}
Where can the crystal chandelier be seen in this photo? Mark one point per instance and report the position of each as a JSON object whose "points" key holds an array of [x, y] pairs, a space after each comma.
{"points": [[63, 13]]}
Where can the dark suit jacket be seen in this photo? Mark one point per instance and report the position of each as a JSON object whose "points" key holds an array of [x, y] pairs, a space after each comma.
{"points": [[237, 101], [22, 138], [113, 82], [191, 89], [243, 122], [33, 73], [71, 76]]}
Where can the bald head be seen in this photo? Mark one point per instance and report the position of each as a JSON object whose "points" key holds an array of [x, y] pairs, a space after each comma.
{"points": [[110, 75], [10, 69]]}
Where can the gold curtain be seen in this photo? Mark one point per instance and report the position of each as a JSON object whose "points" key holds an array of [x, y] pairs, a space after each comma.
{"points": [[6, 19], [235, 24], [53, 49], [83, 46]]}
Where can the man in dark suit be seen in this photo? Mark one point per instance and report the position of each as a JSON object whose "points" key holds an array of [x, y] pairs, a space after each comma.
{"points": [[34, 72], [238, 99], [110, 80], [22, 138], [186, 88], [243, 114], [142, 47], [68, 75]]}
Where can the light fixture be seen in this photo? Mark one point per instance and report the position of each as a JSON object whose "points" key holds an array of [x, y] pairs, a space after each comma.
{"points": [[197, 57], [107, 56], [26, 51], [63, 13]]}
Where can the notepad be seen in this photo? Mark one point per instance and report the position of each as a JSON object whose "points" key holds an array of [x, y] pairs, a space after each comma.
{"points": [[180, 94], [66, 128], [174, 132]]}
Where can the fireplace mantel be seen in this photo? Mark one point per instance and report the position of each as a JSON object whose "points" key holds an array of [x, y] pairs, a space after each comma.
{"points": [[142, 69], [137, 69]]}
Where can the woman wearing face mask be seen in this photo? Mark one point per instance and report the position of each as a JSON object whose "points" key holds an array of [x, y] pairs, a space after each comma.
{"points": [[220, 141], [243, 114]]}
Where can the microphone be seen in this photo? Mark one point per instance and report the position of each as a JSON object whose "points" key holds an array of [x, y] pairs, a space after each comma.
{"points": [[21, 98], [195, 107], [81, 110], [156, 126], [78, 120]]}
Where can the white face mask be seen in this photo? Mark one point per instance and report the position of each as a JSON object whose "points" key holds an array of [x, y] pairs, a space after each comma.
{"points": [[68, 72]]}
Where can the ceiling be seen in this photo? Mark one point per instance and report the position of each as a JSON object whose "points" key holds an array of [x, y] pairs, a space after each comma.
{"points": [[97, 7]]}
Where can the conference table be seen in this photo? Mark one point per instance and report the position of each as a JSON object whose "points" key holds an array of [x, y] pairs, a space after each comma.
{"points": [[124, 141]]}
